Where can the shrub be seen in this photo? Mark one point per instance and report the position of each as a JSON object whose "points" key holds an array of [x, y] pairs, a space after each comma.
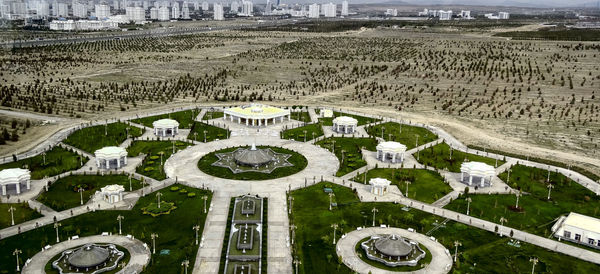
{"points": [[174, 188]]}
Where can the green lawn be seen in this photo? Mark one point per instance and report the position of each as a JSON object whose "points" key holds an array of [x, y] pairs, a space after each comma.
{"points": [[298, 133], [212, 132], [22, 213], [425, 185], [410, 136], [93, 138], [298, 161], [63, 194], [536, 214], [151, 165], [491, 254], [185, 118], [174, 231], [351, 148], [212, 115], [58, 160], [301, 116], [362, 120], [438, 156]]}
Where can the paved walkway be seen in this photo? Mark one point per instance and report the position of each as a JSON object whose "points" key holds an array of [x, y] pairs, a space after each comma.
{"points": [[140, 254], [209, 252], [279, 254], [441, 262]]}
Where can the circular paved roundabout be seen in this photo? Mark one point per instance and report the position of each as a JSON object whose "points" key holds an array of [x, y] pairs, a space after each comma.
{"points": [[441, 262], [183, 166], [139, 254]]}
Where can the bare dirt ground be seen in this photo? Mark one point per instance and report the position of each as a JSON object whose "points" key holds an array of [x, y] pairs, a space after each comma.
{"points": [[530, 97]]}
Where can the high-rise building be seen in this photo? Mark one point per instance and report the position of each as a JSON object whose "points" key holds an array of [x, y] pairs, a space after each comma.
{"points": [[124, 4], [62, 10], [175, 10], [218, 11], [153, 13], [235, 7], [503, 15], [268, 8], [135, 14], [163, 13], [313, 11], [146, 4], [205, 6], [344, 8], [79, 10], [185, 10], [43, 8], [329, 10], [445, 15], [465, 14], [247, 8], [102, 11]]}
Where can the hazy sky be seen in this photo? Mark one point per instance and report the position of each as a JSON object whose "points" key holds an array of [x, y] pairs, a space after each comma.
{"points": [[530, 3]]}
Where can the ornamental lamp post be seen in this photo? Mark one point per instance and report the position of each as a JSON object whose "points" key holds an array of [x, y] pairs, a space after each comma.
{"points": [[502, 220], [204, 198], [185, 264], [158, 197], [534, 261], [456, 245], [293, 228], [154, 236], [407, 183], [518, 194], [374, 210], [296, 263], [196, 228], [550, 187], [16, 253], [334, 226], [119, 218], [56, 226], [469, 200], [205, 135], [12, 217], [80, 190], [330, 197]]}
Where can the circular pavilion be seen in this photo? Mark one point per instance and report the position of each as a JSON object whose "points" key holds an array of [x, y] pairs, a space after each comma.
{"points": [[393, 250], [89, 257], [15, 176], [483, 172], [253, 157], [392, 151], [256, 114], [379, 186], [165, 127], [111, 157], [112, 193], [344, 124]]}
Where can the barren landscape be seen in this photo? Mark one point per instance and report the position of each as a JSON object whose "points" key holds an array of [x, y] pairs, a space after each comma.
{"points": [[534, 98]]}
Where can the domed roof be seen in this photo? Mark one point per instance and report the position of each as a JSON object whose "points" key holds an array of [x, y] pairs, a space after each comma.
{"points": [[110, 152], [392, 245], [391, 146], [253, 156], [477, 169], [379, 182], [112, 189], [89, 255], [165, 123], [14, 175]]}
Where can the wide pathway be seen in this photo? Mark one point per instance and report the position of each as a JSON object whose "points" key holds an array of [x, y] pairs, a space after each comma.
{"points": [[140, 254], [209, 253], [441, 262]]}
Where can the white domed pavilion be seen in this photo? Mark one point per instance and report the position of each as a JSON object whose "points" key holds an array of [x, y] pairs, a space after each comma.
{"points": [[479, 170], [111, 157], [112, 193], [392, 151], [256, 114], [344, 124], [165, 127], [379, 186], [15, 176]]}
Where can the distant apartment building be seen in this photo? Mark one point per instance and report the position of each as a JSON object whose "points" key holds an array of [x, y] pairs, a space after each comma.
{"points": [[218, 12], [79, 10], [503, 15], [391, 12], [313, 11], [83, 25], [163, 13], [247, 8], [465, 14], [235, 7], [43, 9], [445, 15], [185, 10], [205, 6], [344, 8], [102, 11], [329, 10], [153, 13], [62, 10], [135, 14]]}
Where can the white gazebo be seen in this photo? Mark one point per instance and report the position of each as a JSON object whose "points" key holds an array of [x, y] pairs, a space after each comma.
{"points": [[483, 171], [112, 193], [327, 113], [111, 157], [392, 151], [379, 186], [165, 127], [256, 114], [344, 124], [15, 176]]}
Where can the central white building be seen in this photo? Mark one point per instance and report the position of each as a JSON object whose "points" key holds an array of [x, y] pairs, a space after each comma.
{"points": [[379, 186], [344, 124], [329, 10], [256, 114], [110, 157], [313, 11], [392, 151], [165, 127]]}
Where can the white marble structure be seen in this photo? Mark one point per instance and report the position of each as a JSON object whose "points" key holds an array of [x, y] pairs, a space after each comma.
{"points": [[111, 157], [165, 127], [344, 124], [112, 193], [379, 186], [327, 113], [15, 176], [392, 151], [477, 169], [256, 114]]}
